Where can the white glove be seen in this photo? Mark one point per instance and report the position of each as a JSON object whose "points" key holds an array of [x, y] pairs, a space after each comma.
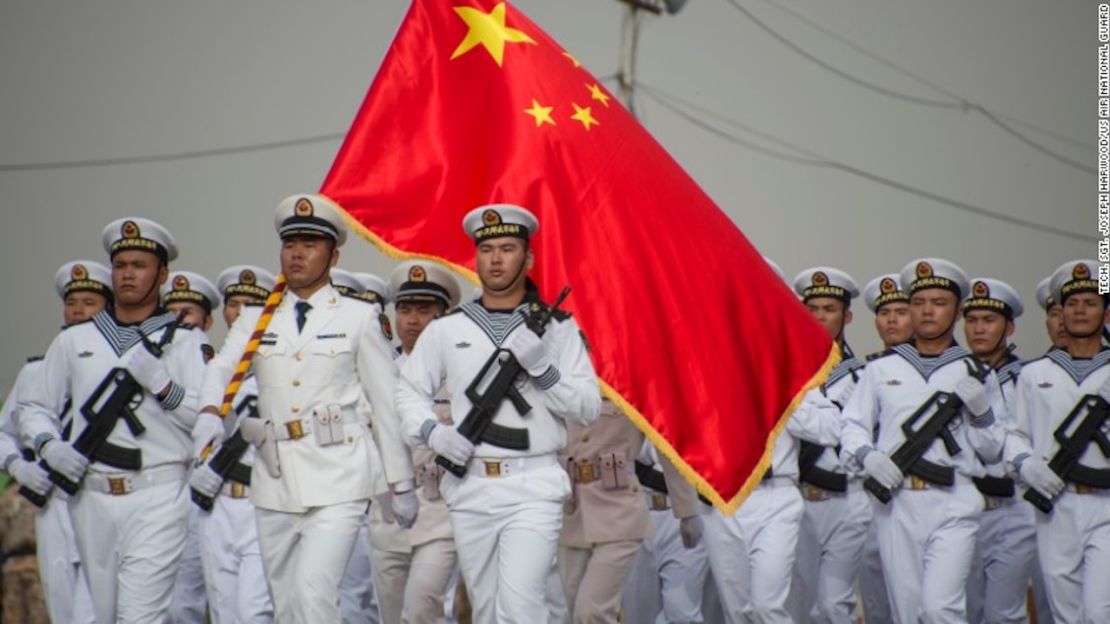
{"points": [[880, 467], [62, 458], [148, 370], [1037, 474], [30, 475], [206, 481], [690, 528], [208, 430], [974, 395], [1104, 390], [529, 350], [451, 444], [405, 508]]}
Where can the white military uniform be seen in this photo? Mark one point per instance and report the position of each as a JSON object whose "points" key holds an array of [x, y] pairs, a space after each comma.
{"points": [[129, 525], [752, 553], [835, 524], [1073, 541], [228, 539], [310, 385], [63, 585], [927, 532], [1006, 545], [507, 511], [667, 579], [878, 292], [190, 600]]}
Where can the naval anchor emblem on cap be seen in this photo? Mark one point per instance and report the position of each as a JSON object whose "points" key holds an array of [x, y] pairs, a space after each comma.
{"points": [[819, 279], [981, 290], [417, 274], [303, 208], [79, 272], [180, 283], [129, 229], [887, 286], [491, 217], [1080, 272], [247, 277], [924, 269]]}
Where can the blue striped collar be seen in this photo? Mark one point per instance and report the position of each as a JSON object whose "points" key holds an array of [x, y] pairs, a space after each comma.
{"points": [[925, 366], [1079, 370], [496, 326], [123, 337]]}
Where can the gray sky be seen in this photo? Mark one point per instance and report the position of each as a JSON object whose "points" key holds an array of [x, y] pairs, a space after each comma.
{"points": [[114, 78]]}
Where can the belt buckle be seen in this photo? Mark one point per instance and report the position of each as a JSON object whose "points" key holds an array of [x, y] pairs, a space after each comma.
{"points": [[917, 483], [992, 502], [1083, 489], [295, 429], [586, 472], [493, 467], [813, 493], [238, 490], [659, 501], [117, 486]]}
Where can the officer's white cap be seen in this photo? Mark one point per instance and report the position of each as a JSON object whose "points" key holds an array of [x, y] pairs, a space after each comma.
{"points": [[420, 280], [310, 215]]}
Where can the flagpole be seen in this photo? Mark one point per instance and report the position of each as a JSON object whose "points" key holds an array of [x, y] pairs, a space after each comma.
{"points": [[630, 37]]}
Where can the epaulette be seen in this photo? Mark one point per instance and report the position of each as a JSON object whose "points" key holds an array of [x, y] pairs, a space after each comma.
{"points": [[355, 297], [35, 358]]}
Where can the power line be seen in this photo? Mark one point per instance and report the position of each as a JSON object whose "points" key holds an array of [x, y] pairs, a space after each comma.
{"points": [[812, 159], [128, 160], [921, 79], [961, 105]]}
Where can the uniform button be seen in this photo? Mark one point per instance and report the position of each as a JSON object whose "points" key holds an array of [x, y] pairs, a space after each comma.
{"points": [[296, 408], [585, 438], [635, 488], [298, 357], [296, 382]]}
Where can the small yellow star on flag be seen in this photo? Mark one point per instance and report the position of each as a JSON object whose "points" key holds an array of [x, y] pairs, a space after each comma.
{"points": [[542, 114], [584, 115], [489, 30], [597, 94]]}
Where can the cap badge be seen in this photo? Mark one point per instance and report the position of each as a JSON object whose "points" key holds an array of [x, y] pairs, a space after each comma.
{"points": [[981, 290], [247, 277], [887, 286], [924, 269], [129, 229], [417, 274], [79, 272], [303, 208]]}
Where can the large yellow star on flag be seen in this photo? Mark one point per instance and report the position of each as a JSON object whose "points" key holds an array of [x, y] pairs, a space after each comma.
{"points": [[584, 115], [489, 30], [542, 114]]}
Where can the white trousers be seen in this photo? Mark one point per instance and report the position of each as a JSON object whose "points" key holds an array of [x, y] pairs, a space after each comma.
{"points": [[506, 531], [840, 527], [1005, 557], [63, 581], [130, 546], [232, 563], [926, 540], [305, 555], [189, 604], [872, 588], [357, 593], [1074, 547], [667, 579], [752, 554]]}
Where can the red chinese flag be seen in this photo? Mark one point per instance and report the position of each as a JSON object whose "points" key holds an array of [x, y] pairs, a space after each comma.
{"points": [[692, 334]]}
